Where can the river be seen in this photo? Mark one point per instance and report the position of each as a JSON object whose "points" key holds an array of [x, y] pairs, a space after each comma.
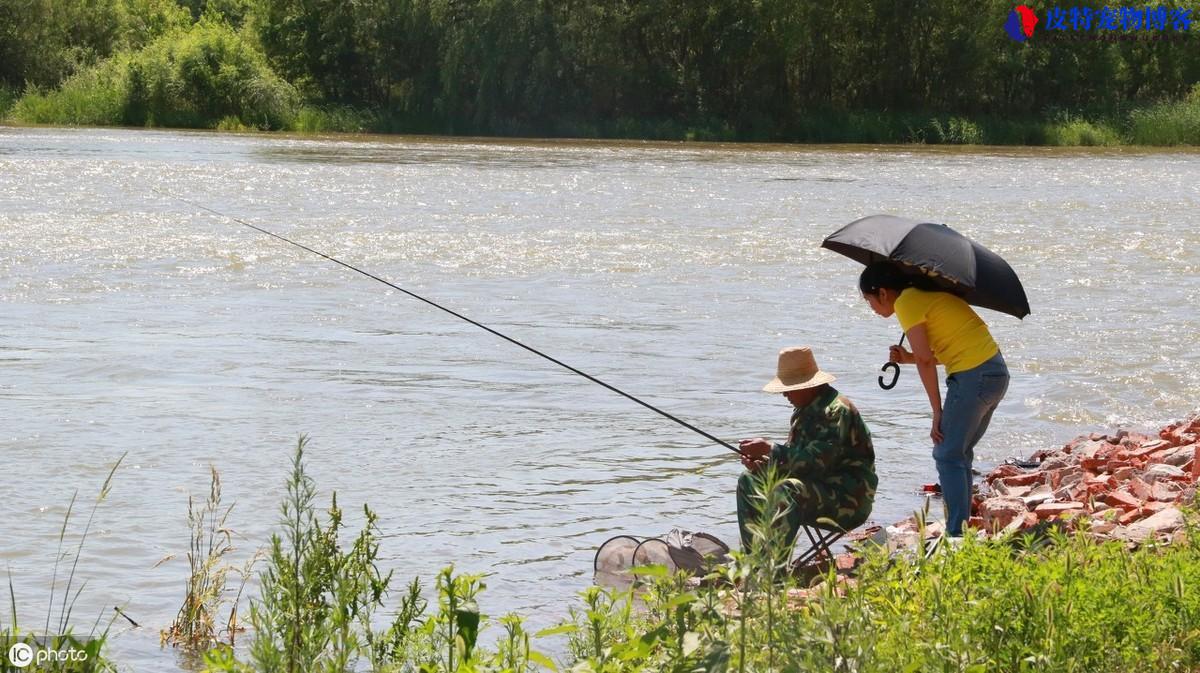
{"points": [[133, 322]]}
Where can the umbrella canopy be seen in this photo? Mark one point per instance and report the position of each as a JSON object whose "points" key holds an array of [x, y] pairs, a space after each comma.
{"points": [[951, 260]]}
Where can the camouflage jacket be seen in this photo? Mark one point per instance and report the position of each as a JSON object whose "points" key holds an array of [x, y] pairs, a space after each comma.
{"points": [[830, 446]]}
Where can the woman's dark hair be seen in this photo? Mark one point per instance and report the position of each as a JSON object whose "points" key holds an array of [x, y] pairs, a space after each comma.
{"points": [[885, 274]]}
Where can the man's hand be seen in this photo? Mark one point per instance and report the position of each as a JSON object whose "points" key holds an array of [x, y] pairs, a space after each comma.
{"points": [[754, 452]]}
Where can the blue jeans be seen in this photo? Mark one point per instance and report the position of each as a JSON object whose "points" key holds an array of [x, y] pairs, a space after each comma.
{"points": [[971, 397]]}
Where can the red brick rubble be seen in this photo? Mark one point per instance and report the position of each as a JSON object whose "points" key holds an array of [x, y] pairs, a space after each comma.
{"points": [[1125, 486]]}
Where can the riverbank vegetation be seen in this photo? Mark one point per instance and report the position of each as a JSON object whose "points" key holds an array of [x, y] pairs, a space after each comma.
{"points": [[1054, 601], [1051, 601], [769, 70], [320, 607]]}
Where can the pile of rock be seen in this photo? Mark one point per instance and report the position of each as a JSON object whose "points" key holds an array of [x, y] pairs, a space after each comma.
{"points": [[1126, 486]]}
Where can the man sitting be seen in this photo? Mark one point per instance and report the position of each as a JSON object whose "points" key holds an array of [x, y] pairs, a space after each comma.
{"points": [[828, 450]]}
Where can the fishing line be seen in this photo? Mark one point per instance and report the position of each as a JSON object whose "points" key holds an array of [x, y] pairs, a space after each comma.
{"points": [[456, 314]]}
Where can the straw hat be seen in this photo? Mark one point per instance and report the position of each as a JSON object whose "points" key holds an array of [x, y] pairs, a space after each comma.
{"points": [[797, 370]]}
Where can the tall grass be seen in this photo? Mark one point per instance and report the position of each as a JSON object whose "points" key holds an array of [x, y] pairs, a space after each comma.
{"points": [[94, 97], [88, 651], [1168, 123], [198, 625], [1068, 130], [333, 119], [1056, 129]]}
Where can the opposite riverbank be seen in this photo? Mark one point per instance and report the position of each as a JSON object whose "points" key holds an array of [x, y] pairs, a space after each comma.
{"points": [[728, 72], [101, 100]]}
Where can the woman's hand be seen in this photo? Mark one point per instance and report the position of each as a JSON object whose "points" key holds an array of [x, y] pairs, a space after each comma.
{"points": [[754, 452], [926, 363], [900, 355]]}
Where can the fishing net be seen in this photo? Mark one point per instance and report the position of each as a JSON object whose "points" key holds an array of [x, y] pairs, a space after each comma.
{"points": [[616, 554], [653, 551], [677, 550]]}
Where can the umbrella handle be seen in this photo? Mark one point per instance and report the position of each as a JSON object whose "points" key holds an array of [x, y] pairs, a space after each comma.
{"points": [[895, 370], [895, 375]]}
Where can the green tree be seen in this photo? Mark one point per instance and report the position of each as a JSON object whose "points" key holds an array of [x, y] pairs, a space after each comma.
{"points": [[322, 46], [42, 42]]}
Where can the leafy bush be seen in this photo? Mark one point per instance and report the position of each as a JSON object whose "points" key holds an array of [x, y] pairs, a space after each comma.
{"points": [[147, 20], [318, 600], [192, 78], [203, 76]]}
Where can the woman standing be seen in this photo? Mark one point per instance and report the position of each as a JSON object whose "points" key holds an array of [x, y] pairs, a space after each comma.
{"points": [[944, 330]]}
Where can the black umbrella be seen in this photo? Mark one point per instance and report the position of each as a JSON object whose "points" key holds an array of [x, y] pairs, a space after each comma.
{"points": [[947, 258]]}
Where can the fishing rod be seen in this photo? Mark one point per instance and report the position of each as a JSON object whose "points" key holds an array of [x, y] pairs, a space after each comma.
{"points": [[456, 314]]}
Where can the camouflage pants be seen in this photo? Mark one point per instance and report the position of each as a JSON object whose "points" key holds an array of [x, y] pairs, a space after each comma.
{"points": [[807, 504]]}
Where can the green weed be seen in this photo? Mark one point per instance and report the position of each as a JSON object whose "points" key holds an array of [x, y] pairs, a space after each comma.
{"points": [[83, 654], [1069, 131], [320, 599]]}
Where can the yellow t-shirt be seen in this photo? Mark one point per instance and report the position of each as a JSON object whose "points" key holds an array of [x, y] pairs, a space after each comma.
{"points": [[958, 337]]}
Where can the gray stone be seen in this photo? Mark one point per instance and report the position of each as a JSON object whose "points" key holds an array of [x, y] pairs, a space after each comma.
{"points": [[1162, 471], [1124, 473], [1180, 456], [1158, 524], [1038, 495], [1155, 444], [1090, 449], [1058, 462], [1069, 476]]}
